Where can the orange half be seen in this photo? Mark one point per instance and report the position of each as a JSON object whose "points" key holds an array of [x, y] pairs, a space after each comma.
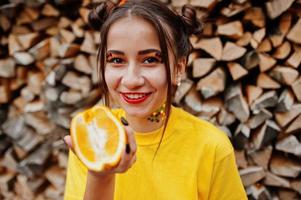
{"points": [[98, 138]]}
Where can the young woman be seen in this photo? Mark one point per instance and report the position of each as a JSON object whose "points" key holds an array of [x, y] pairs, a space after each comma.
{"points": [[142, 56]]}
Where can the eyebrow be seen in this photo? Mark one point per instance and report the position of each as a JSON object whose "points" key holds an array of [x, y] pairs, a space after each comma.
{"points": [[149, 51], [115, 52], [142, 52]]}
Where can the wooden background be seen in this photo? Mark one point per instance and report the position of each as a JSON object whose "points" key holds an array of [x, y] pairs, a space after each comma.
{"points": [[244, 76]]}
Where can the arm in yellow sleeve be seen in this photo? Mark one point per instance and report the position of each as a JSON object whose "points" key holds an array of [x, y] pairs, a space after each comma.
{"points": [[76, 179], [226, 183]]}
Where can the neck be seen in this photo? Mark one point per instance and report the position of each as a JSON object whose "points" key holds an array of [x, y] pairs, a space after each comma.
{"points": [[143, 124]]}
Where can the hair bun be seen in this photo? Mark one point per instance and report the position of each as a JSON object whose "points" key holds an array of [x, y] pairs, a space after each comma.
{"points": [[192, 24], [99, 14]]}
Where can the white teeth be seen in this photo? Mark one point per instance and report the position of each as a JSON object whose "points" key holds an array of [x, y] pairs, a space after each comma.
{"points": [[135, 96]]}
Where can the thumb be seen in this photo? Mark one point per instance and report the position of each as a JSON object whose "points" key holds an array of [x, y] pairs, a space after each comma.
{"points": [[68, 141]]}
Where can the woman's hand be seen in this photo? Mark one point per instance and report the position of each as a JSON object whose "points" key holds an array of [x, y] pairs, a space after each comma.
{"points": [[128, 157]]}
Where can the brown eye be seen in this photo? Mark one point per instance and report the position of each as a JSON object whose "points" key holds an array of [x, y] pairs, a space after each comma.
{"points": [[150, 60], [116, 60]]}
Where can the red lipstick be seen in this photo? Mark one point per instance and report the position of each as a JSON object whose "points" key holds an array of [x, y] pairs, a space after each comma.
{"points": [[135, 98]]}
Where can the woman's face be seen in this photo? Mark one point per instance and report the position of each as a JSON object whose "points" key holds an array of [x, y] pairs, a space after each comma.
{"points": [[134, 71]]}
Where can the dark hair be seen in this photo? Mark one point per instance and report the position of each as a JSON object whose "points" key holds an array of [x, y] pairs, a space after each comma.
{"points": [[173, 31]]}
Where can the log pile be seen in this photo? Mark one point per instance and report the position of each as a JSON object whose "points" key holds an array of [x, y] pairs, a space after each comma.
{"points": [[243, 75]]}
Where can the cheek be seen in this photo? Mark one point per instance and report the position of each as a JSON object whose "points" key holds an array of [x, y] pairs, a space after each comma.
{"points": [[112, 78], [157, 77]]}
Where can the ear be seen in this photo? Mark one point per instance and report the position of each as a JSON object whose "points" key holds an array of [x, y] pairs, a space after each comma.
{"points": [[179, 70]]}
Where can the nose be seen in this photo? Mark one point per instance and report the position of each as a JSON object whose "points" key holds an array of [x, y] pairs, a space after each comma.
{"points": [[132, 77]]}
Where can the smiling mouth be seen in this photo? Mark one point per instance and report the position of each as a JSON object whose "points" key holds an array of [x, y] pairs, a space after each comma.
{"points": [[135, 98]]}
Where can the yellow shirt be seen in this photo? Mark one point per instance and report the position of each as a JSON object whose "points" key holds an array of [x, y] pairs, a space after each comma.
{"points": [[195, 161]]}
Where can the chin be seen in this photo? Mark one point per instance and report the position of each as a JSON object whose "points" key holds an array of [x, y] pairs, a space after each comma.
{"points": [[137, 112]]}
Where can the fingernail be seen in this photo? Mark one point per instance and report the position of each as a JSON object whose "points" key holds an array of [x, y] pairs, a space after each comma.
{"points": [[124, 122], [127, 148]]}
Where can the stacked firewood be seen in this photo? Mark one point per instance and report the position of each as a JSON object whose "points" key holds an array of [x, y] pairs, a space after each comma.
{"points": [[244, 76]]}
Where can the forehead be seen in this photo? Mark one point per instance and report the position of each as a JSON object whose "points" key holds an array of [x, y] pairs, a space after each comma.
{"points": [[132, 32]]}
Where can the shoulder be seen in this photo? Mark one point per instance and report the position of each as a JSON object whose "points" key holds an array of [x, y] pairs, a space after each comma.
{"points": [[205, 133]]}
